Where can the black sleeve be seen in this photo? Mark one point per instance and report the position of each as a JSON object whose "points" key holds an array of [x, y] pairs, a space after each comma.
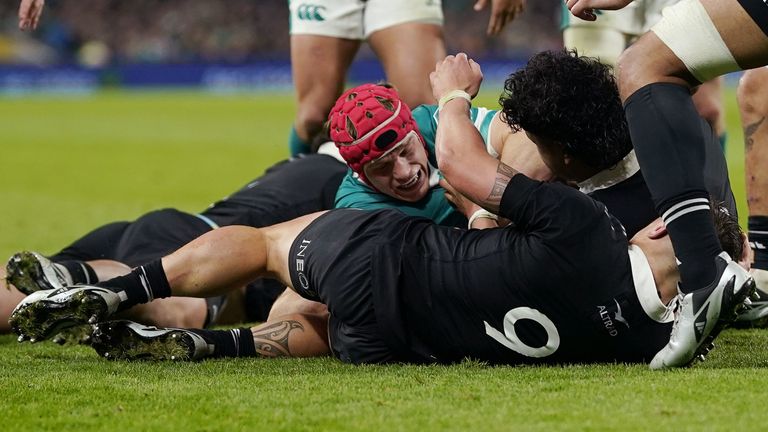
{"points": [[549, 207]]}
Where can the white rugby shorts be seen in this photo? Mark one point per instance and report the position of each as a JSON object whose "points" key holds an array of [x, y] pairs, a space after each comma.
{"points": [[358, 19]]}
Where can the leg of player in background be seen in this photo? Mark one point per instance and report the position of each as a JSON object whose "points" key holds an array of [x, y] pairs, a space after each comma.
{"points": [[213, 264], [708, 101], [607, 37], [655, 84], [9, 298], [408, 53], [170, 312], [752, 97], [210, 265], [319, 65], [592, 39]]}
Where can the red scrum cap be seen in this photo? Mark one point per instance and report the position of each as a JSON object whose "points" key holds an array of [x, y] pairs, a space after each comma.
{"points": [[368, 122]]}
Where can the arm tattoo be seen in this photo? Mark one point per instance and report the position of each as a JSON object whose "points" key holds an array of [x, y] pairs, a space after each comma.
{"points": [[272, 340], [504, 173], [750, 130]]}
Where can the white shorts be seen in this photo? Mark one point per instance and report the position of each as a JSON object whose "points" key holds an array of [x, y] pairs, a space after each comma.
{"points": [[358, 19], [704, 54], [633, 20], [613, 31]]}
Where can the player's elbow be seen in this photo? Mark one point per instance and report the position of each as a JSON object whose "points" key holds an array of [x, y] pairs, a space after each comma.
{"points": [[446, 160]]}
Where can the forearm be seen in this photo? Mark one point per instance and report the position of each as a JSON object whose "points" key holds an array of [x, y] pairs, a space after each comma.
{"points": [[461, 153]]}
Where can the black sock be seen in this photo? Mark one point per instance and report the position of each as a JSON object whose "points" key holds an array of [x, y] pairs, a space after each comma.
{"points": [[143, 284], [758, 240], [668, 135], [80, 271], [230, 343]]}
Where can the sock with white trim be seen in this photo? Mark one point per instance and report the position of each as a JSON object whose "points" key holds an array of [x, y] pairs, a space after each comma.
{"points": [[229, 343], [80, 271], [142, 285], [668, 137], [758, 240]]}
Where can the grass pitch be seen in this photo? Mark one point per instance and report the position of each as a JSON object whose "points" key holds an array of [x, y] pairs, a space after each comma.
{"points": [[70, 164]]}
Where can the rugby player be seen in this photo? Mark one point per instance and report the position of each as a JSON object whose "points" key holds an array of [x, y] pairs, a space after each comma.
{"points": [[752, 95], [406, 36], [115, 248], [326, 35], [596, 155], [561, 284], [695, 41], [390, 152], [607, 37]]}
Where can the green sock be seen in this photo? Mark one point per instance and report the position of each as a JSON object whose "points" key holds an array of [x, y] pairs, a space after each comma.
{"points": [[723, 139], [297, 145]]}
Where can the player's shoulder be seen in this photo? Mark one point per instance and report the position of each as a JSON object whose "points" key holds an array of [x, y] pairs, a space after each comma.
{"points": [[353, 193], [425, 117]]}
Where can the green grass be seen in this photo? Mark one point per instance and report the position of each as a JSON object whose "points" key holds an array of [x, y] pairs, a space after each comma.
{"points": [[70, 164]]}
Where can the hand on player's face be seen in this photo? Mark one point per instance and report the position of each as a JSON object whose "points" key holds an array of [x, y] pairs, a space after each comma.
{"points": [[585, 9], [456, 73], [404, 173], [29, 13]]}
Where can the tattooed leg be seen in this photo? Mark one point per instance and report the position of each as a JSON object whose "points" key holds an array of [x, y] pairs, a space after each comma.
{"points": [[753, 107], [292, 336]]}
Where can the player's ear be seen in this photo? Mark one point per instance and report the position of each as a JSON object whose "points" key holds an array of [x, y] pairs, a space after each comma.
{"points": [[567, 158], [748, 256], [658, 230]]}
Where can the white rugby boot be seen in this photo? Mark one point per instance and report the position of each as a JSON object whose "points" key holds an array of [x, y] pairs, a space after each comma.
{"points": [[44, 313], [30, 272], [128, 340], [701, 315]]}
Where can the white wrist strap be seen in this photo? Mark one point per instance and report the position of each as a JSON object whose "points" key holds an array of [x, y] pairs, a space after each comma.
{"points": [[451, 95], [482, 213]]}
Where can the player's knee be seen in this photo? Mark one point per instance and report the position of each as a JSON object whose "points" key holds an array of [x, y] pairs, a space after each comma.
{"points": [[751, 94], [629, 72], [643, 63], [291, 303], [417, 93], [310, 120], [710, 110]]}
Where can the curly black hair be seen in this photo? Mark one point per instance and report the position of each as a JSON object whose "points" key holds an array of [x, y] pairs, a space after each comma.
{"points": [[729, 232], [572, 100]]}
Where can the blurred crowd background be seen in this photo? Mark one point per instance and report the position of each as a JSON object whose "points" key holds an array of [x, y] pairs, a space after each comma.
{"points": [[109, 32]]}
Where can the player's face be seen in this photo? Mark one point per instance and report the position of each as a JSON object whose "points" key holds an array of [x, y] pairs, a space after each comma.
{"points": [[403, 174], [552, 155]]}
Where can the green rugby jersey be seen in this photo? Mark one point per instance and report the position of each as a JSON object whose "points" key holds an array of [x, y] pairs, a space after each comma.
{"points": [[354, 193]]}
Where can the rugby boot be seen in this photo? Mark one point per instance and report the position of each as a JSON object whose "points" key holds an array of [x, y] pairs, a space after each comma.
{"points": [[755, 315], [127, 340], [30, 272], [701, 315], [45, 313]]}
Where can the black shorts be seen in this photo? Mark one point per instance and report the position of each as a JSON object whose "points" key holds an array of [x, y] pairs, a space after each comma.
{"points": [[149, 237], [330, 262]]}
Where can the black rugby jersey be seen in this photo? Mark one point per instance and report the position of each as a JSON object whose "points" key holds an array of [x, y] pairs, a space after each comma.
{"points": [[556, 288]]}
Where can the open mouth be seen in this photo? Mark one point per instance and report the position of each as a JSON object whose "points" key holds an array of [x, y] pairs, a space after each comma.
{"points": [[412, 182]]}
